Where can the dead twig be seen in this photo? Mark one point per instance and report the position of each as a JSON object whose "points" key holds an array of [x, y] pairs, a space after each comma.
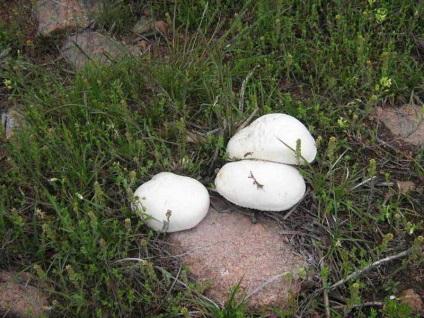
{"points": [[290, 233], [373, 265], [216, 152], [363, 182], [131, 259], [366, 304], [221, 132], [255, 182], [185, 286], [243, 88], [176, 280], [325, 290], [248, 120]]}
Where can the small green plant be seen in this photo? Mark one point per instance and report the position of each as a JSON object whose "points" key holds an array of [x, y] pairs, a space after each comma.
{"points": [[9, 38], [117, 16], [67, 177], [394, 308], [233, 308]]}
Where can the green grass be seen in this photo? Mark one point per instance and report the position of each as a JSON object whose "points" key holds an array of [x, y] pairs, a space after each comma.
{"points": [[67, 177]]}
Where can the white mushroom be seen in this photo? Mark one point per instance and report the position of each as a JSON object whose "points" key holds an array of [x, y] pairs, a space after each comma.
{"points": [[171, 203], [273, 137], [261, 185]]}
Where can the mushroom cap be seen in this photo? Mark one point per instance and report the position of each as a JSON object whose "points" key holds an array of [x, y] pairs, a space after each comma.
{"points": [[261, 185], [182, 200], [266, 139]]}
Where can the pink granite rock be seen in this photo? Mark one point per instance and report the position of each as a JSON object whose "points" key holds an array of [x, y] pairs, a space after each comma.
{"points": [[18, 298], [227, 247], [406, 121], [59, 16]]}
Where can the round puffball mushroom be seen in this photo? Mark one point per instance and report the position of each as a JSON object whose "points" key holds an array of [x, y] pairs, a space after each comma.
{"points": [[171, 203], [273, 137], [261, 185]]}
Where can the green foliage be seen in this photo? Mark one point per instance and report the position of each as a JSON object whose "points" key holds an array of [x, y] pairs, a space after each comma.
{"points": [[395, 308], [69, 179], [10, 37], [342, 49], [233, 307], [200, 15], [118, 16], [67, 176]]}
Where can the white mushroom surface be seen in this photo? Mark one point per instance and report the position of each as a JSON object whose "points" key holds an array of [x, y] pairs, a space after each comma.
{"points": [[261, 185], [171, 203], [267, 138]]}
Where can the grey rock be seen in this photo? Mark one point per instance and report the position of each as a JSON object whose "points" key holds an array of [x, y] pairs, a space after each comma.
{"points": [[143, 25], [92, 8], [91, 46], [11, 119]]}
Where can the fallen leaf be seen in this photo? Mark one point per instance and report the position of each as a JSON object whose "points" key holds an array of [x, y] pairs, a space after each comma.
{"points": [[404, 187], [411, 298]]}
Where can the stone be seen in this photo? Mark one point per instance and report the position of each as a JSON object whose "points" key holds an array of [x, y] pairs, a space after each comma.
{"points": [[143, 25], [147, 25], [11, 119], [161, 26], [91, 46], [406, 122], [143, 44], [60, 15], [226, 248], [19, 298], [411, 298], [92, 8]]}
